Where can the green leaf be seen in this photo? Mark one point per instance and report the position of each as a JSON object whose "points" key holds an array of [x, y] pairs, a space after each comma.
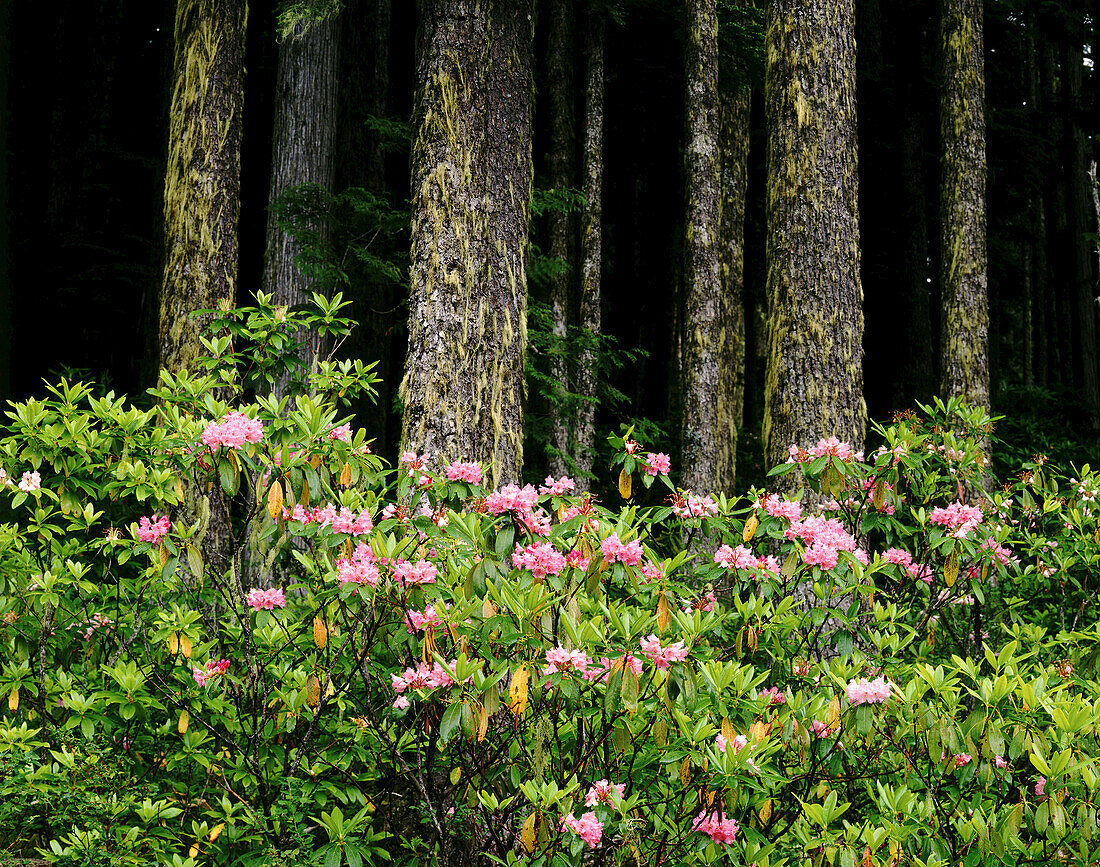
{"points": [[451, 719]]}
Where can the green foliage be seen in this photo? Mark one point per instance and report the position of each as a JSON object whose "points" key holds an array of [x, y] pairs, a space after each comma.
{"points": [[297, 17]]}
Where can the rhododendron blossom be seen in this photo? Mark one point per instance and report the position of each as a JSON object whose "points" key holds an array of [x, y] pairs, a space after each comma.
{"points": [[691, 505], [660, 656], [233, 431], [541, 559], [341, 433], [778, 507], [774, 695], [576, 559], [738, 743], [602, 792], [1041, 787], [863, 691], [345, 521], [422, 677], [562, 660], [1000, 762], [30, 482], [957, 518], [211, 670], [962, 759], [898, 557], [557, 487], [615, 550], [361, 568], [420, 572], [266, 599], [587, 827], [657, 464], [416, 621], [153, 529], [512, 498], [720, 830], [460, 471]]}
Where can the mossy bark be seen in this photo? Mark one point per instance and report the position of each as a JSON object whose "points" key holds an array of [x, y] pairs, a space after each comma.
{"points": [[731, 346], [303, 150], [814, 380], [591, 298], [202, 181], [705, 410], [464, 387], [964, 346], [562, 226]]}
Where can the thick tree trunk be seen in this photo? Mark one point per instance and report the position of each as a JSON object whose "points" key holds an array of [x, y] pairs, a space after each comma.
{"points": [[202, 182], [464, 386], [302, 153], [731, 347], [705, 413], [965, 326], [814, 383], [562, 228], [591, 250], [1078, 208]]}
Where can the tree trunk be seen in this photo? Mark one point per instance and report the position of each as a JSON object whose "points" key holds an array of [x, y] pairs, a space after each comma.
{"points": [[1078, 208], [814, 382], [705, 408], [302, 153], [464, 386], [965, 327], [591, 250], [202, 182], [731, 347], [920, 373], [562, 230]]}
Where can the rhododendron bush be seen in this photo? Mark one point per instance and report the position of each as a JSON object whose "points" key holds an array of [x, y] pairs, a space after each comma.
{"points": [[285, 650]]}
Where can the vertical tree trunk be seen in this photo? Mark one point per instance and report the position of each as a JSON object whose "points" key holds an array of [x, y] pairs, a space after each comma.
{"points": [[202, 182], [591, 249], [302, 153], [965, 326], [1079, 229], [705, 405], [814, 382], [562, 232], [1059, 344], [464, 387], [731, 347]]}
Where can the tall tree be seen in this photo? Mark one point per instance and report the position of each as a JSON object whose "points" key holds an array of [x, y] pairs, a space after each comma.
{"points": [[464, 388], [562, 226], [964, 348], [706, 415], [303, 151], [814, 380], [202, 181], [591, 291]]}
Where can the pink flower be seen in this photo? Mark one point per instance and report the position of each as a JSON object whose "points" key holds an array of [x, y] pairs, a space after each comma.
{"points": [[693, 506], [778, 507], [962, 759], [362, 568], [739, 743], [657, 464], [469, 472], [400, 703], [421, 572], [577, 560], [342, 433], [269, 599], [720, 830], [542, 559], [1040, 787], [233, 431], [735, 558], [348, 522], [650, 571], [587, 827], [512, 498], [1000, 762], [821, 730], [557, 487], [562, 660], [417, 622], [153, 529], [898, 557], [660, 656], [614, 549], [211, 670], [774, 695], [862, 691], [957, 518], [602, 793], [31, 481]]}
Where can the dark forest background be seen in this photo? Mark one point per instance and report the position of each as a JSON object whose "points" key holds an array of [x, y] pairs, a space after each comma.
{"points": [[84, 126]]}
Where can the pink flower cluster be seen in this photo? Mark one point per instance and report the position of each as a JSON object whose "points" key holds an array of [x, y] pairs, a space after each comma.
{"points": [[998, 552], [738, 743], [211, 670], [587, 827], [416, 621], [422, 677], [560, 660], [742, 558], [778, 507], [863, 691], [962, 759], [650, 571], [512, 498], [602, 671], [720, 830], [822, 730], [361, 568], [660, 656], [774, 695], [957, 518], [693, 506], [541, 559], [577, 560], [903, 558], [831, 446], [602, 792], [30, 482], [153, 529], [657, 464], [460, 471], [420, 572], [268, 599], [824, 538], [342, 433], [233, 431], [342, 521], [557, 487], [615, 550], [96, 621]]}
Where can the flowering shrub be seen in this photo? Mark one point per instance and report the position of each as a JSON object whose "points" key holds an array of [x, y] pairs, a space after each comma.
{"points": [[316, 656]]}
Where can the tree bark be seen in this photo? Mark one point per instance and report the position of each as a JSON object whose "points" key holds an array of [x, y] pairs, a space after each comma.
{"points": [[814, 381], [561, 228], [705, 409], [731, 348], [302, 153], [464, 385], [965, 326], [591, 250]]}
